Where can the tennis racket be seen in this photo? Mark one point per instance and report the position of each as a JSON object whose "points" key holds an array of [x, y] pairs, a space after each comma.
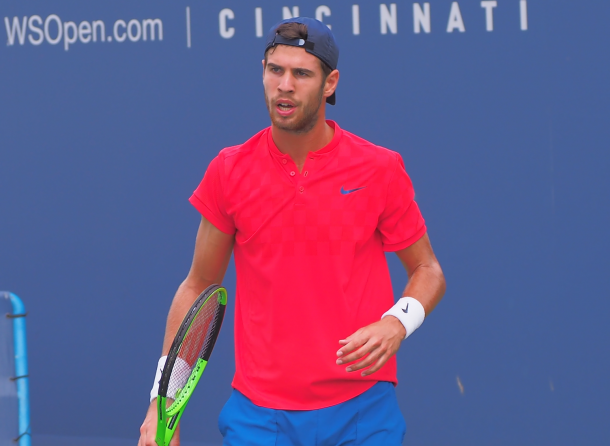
{"points": [[187, 359]]}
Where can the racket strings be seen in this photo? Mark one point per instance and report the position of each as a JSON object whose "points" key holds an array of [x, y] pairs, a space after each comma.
{"points": [[209, 339], [197, 339]]}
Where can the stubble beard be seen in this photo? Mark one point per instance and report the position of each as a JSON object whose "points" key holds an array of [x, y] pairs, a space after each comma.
{"points": [[305, 123]]}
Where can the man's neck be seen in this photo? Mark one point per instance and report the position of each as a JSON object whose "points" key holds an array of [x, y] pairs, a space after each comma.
{"points": [[298, 145]]}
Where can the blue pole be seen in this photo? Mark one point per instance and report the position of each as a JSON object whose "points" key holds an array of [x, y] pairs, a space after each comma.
{"points": [[21, 369]]}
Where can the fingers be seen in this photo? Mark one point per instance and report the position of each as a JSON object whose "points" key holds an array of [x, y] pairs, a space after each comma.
{"points": [[377, 365], [378, 362], [371, 346], [366, 362], [176, 438], [358, 345], [147, 436], [143, 432], [364, 349], [375, 354], [353, 342], [148, 430]]}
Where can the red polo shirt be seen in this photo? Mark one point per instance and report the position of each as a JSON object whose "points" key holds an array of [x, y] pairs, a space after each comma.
{"points": [[310, 263]]}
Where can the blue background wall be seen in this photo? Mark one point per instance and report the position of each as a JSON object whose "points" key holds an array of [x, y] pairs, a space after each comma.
{"points": [[504, 133]]}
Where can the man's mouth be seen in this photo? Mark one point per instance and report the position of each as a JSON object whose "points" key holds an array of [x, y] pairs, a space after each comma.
{"points": [[285, 106]]}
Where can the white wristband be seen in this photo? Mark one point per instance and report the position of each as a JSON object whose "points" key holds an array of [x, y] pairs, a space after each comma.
{"points": [[409, 312], [154, 392]]}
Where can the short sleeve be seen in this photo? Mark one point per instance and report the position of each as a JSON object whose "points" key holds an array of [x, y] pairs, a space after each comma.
{"points": [[209, 198], [401, 223]]}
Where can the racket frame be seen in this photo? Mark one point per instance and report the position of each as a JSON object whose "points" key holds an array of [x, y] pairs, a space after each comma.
{"points": [[169, 417]]}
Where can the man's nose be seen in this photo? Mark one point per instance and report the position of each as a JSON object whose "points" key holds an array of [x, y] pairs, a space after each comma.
{"points": [[286, 83]]}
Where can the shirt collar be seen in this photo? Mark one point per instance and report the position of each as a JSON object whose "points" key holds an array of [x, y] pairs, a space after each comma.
{"points": [[327, 149]]}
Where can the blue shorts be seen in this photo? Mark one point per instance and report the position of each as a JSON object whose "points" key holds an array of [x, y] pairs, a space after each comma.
{"points": [[370, 419]]}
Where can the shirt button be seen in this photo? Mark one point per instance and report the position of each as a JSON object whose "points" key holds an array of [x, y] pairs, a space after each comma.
{"points": [[292, 173], [306, 173], [284, 161], [301, 189]]}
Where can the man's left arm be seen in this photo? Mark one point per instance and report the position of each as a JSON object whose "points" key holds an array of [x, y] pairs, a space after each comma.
{"points": [[373, 345]]}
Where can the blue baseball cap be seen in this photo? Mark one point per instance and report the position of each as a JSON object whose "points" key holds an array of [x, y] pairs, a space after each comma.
{"points": [[320, 42]]}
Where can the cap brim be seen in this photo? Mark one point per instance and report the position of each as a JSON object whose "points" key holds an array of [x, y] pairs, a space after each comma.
{"points": [[331, 99]]}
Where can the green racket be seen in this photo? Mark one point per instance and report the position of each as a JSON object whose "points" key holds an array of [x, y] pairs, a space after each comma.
{"points": [[187, 359]]}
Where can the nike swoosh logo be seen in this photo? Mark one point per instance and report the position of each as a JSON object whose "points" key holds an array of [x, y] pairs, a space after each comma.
{"points": [[345, 192], [406, 310]]}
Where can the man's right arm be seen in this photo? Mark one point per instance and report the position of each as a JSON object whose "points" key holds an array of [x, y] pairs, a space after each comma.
{"points": [[212, 254]]}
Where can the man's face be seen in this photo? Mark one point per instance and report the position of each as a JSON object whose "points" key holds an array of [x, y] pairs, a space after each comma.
{"points": [[294, 88]]}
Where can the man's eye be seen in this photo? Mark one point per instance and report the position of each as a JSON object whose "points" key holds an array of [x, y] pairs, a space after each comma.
{"points": [[301, 73], [275, 69]]}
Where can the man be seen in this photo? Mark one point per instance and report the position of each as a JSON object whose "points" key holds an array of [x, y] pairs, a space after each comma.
{"points": [[309, 210]]}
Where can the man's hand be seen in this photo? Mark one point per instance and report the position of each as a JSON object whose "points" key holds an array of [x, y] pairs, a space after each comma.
{"points": [[380, 341], [148, 430]]}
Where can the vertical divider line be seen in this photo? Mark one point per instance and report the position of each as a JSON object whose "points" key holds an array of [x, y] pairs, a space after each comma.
{"points": [[258, 18], [523, 8], [188, 26], [356, 20]]}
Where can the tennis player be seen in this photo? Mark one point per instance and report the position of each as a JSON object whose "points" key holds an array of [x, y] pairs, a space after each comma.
{"points": [[308, 210]]}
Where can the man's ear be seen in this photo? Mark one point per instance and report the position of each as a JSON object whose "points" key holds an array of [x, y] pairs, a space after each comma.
{"points": [[264, 66], [332, 80]]}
